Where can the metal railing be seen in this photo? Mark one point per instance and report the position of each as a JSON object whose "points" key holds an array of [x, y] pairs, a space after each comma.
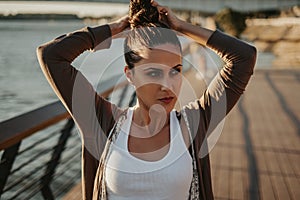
{"points": [[40, 150], [31, 146]]}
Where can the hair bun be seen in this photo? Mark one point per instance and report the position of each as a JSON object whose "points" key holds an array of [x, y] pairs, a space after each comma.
{"points": [[142, 13]]}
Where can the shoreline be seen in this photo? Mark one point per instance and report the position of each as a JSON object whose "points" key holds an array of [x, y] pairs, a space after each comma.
{"points": [[58, 9], [40, 17]]}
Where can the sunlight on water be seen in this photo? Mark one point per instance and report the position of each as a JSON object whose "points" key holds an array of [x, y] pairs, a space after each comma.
{"points": [[23, 87], [22, 84]]}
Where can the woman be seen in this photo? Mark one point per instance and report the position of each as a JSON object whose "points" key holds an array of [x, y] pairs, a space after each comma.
{"points": [[149, 151]]}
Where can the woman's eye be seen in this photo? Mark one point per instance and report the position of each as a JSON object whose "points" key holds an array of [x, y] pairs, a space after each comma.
{"points": [[154, 74], [174, 72]]}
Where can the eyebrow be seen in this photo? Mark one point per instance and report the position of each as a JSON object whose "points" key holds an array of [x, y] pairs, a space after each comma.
{"points": [[153, 68], [178, 65]]}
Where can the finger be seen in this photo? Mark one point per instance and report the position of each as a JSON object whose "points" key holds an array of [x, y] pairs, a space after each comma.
{"points": [[154, 3], [162, 10]]}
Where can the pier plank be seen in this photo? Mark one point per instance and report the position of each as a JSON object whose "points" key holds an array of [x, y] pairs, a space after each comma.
{"points": [[267, 191], [74, 193], [274, 139], [293, 186], [280, 187]]}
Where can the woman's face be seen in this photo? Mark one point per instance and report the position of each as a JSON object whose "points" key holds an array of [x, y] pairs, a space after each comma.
{"points": [[157, 77]]}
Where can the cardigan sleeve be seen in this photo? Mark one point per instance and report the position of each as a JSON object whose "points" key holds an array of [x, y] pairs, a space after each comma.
{"points": [[239, 58], [92, 114], [226, 88]]}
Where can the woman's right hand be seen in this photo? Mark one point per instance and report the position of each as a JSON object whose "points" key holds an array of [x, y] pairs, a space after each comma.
{"points": [[119, 26]]}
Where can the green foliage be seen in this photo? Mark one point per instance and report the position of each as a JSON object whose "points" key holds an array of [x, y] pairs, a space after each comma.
{"points": [[230, 21]]}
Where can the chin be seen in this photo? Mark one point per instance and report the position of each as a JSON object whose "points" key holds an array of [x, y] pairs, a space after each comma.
{"points": [[169, 107]]}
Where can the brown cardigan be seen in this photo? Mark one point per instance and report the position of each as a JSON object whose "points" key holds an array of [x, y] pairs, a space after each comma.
{"points": [[95, 116]]}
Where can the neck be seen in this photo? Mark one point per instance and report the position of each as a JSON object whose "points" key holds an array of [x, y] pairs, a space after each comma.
{"points": [[153, 120]]}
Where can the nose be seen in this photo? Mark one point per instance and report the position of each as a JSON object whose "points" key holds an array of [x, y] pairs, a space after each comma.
{"points": [[163, 88], [166, 84]]}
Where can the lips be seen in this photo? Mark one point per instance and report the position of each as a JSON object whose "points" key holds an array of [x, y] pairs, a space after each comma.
{"points": [[166, 100]]}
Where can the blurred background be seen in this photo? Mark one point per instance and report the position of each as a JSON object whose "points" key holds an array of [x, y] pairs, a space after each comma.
{"points": [[257, 154]]}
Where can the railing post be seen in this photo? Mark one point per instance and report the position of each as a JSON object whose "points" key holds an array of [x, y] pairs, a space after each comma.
{"points": [[51, 167], [7, 161]]}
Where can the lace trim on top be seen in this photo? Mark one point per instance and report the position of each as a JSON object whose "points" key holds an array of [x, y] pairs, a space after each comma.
{"points": [[101, 186]]}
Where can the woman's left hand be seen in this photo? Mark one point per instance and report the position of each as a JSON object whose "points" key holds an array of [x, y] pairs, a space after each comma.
{"points": [[167, 16]]}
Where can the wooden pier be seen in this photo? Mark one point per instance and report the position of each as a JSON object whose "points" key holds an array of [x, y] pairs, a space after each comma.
{"points": [[258, 153]]}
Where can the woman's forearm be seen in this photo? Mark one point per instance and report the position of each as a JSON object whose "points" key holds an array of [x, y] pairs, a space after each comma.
{"points": [[56, 56], [239, 58], [197, 33], [67, 47]]}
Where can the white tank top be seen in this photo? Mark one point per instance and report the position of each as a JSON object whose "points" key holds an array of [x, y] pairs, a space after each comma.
{"points": [[130, 178]]}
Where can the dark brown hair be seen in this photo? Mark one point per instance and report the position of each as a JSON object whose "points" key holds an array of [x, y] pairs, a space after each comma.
{"points": [[146, 31]]}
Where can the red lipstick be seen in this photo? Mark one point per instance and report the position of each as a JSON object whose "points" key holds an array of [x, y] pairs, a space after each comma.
{"points": [[166, 100]]}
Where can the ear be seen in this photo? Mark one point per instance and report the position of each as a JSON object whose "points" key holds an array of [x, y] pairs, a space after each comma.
{"points": [[129, 74]]}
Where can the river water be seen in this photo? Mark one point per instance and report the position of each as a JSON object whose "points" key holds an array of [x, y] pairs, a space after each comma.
{"points": [[23, 87], [22, 84]]}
